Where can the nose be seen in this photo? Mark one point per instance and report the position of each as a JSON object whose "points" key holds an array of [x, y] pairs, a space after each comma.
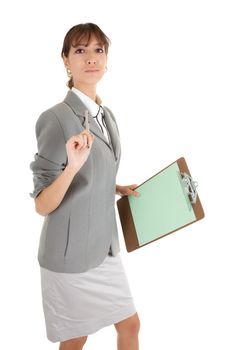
{"points": [[91, 60]]}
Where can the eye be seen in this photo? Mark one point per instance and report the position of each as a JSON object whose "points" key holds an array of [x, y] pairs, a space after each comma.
{"points": [[79, 51], [100, 50]]}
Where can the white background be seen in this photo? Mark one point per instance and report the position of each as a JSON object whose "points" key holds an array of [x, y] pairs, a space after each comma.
{"points": [[165, 84]]}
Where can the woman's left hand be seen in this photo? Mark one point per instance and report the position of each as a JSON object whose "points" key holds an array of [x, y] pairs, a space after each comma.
{"points": [[127, 190]]}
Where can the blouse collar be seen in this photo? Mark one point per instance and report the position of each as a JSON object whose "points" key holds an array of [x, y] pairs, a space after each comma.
{"points": [[92, 106]]}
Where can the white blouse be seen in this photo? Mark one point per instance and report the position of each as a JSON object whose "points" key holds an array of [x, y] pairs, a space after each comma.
{"points": [[95, 110]]}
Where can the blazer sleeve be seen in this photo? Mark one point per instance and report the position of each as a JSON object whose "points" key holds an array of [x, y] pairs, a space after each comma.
{"points": [[51, 158]]}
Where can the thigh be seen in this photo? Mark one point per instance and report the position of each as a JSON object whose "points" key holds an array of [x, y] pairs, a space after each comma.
{"points": [[130, 324]]}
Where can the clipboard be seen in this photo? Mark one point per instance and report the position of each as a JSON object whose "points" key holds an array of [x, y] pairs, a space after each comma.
{"points": [[168, 202]]}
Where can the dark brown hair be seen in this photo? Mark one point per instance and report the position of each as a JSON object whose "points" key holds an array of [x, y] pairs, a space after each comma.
{"points": [[77, 34]]}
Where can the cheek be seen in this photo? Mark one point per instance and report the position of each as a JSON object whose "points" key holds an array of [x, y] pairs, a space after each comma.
{"points": [[76, 66], [103, 62]]}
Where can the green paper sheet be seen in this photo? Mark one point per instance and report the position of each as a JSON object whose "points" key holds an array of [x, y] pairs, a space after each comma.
{"points": [[162, 207]]}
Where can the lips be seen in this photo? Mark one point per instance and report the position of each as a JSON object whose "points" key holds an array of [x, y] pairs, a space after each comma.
{"points": [[91, 70]]}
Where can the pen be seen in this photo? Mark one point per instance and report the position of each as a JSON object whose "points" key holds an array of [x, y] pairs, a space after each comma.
{"points": [[86, 120], [87, 124]]}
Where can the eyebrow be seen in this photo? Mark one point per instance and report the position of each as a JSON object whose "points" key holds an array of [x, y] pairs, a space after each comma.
{"points": [[85, 45]]}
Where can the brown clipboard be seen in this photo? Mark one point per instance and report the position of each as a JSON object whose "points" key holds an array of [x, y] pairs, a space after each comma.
{"points": [[130, 231]]}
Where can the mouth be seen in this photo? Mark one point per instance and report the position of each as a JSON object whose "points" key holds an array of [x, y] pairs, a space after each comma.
{"points": [[91, 70]]}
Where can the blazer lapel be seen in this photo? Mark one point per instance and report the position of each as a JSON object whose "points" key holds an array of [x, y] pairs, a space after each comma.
{"points": [[114, 134], [78, 107]]}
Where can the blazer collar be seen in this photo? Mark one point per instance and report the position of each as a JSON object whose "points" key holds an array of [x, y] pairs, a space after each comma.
{"points": [[78, 107]]}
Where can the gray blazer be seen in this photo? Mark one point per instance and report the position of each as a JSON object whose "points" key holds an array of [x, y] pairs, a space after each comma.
{"points": [[78, 234]]}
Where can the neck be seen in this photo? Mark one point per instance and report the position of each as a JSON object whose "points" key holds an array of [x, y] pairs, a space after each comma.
{"points": [[90, 91]]}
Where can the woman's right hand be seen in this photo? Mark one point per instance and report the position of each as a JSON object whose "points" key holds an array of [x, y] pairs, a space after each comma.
{"points": [[78, 148]]}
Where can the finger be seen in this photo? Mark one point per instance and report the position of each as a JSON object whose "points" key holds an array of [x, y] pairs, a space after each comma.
{"points": [[133, 186], [134, 193], [85, 132], [72, 139], [78, 142], [85, 141], [89, 136], [90, 140]]}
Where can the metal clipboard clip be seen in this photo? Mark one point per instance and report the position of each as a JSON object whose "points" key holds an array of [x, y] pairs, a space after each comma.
{"points": [[189, 187]]}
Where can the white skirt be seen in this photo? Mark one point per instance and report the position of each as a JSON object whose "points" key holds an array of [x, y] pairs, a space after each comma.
{"points": [[79, 304]]}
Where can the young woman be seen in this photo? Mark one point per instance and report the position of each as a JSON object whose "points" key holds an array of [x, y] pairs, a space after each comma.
{"points": [[84, 285]]}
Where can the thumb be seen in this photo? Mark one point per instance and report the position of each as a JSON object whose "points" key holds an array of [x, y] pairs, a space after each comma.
{"points": [[133, 186], [134, 193]]}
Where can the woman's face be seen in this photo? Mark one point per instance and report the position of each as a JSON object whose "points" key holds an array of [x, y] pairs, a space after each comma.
{"points": [[87, 63]]}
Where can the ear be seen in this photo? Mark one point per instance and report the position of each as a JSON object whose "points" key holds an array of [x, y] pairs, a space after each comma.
{"points": [[65, 61]]}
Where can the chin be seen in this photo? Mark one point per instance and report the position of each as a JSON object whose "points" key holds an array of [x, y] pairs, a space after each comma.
{"points": [[92, 81]]}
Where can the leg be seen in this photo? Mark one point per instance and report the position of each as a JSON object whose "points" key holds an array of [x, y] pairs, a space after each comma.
{"points": [[73, 344], [127, 331]]}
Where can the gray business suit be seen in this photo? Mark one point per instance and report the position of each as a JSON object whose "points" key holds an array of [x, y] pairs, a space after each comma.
{"points": [[78, 234]]}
